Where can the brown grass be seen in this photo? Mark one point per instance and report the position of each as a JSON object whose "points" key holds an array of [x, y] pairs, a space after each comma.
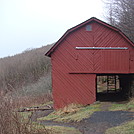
{"points": [[72, 108], [25, 80], [28, 101], [72, 113], [12, 123], [22, 69]]}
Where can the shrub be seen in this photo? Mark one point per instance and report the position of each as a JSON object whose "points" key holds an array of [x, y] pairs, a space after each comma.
{"points": [[12, 123], [23, 69]]}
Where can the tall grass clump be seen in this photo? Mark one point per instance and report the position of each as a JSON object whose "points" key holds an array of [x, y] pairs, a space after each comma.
{"points": [[11, 121], [72, 113]]}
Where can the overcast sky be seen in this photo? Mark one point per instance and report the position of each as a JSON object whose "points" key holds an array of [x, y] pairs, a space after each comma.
{"points": [[34, 23]]}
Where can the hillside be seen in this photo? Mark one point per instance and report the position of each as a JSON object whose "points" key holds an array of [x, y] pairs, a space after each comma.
{"points": [[28, 73]]}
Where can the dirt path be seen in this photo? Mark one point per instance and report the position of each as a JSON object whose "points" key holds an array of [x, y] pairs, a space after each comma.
{"points": [[38, 114], [105, 106], [96, 124], [102, 120]]}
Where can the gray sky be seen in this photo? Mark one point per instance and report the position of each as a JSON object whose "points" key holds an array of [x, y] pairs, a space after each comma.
{"points": [[34, 23]]}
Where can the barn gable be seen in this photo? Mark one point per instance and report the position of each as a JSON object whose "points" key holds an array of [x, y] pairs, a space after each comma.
{"points": [[99, 35], [88, 22], [89, 49]]}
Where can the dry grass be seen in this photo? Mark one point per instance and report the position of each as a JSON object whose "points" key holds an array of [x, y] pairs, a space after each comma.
{"points": [[22, 69], [72, 113], [126, 128], [63, 130], [125, 107], [11, 122], [25, 80], [28, 101], [72, 108]]}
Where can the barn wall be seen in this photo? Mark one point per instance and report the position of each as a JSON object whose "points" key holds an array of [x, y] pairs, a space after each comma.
{"points": [[114, 61], [71, 88], [74, 71], [132, 61], [96, 61]]}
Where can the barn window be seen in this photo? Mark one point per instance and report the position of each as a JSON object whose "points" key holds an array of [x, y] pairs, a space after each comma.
{"points": [[88, 28]]}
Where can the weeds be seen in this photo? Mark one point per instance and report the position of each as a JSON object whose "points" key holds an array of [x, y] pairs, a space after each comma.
{"points": [[126, 128], [72, 113], [125, 107], [11, 122], [22, 69], [64, 130], [27, 101]]}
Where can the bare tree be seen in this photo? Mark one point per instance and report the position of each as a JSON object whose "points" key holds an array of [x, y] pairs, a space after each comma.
{"points": [[121, 15]]}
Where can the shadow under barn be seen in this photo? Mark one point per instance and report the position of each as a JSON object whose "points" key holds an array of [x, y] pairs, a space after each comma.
{"points": [[113, 87]]}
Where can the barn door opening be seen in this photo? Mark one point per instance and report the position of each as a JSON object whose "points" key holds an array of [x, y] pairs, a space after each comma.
{"points": [[109, 88]]}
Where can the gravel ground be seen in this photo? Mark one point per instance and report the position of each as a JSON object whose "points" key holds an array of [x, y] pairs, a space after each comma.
{"points": [[38, 114], [96, 124], [100, 121]]}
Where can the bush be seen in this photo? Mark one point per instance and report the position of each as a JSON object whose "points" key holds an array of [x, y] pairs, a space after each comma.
{"points": [[25, 68], [12, 123]]}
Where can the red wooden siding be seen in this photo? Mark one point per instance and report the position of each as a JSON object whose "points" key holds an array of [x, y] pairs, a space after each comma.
{"points": [[74, 71], [73, 88], [115, 61], [95, 61], [132, 61], [70, 88]]}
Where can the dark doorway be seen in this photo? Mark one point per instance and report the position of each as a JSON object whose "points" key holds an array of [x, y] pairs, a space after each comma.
{"points": [[109, 88]]}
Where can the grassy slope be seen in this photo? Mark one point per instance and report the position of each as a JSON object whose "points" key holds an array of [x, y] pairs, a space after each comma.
{"points": [[56, 129], [73, 113], [50, 129], [126, 107], [76, 113], [26, 77], [63, 130], [24, 69], [126, 128]]}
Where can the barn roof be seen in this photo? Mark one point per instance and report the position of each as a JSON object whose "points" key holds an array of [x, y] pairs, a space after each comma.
{"points": [[82, 24]]}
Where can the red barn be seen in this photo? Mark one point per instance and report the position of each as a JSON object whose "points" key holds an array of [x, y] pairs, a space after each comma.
{"points": [[84, 52]]}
